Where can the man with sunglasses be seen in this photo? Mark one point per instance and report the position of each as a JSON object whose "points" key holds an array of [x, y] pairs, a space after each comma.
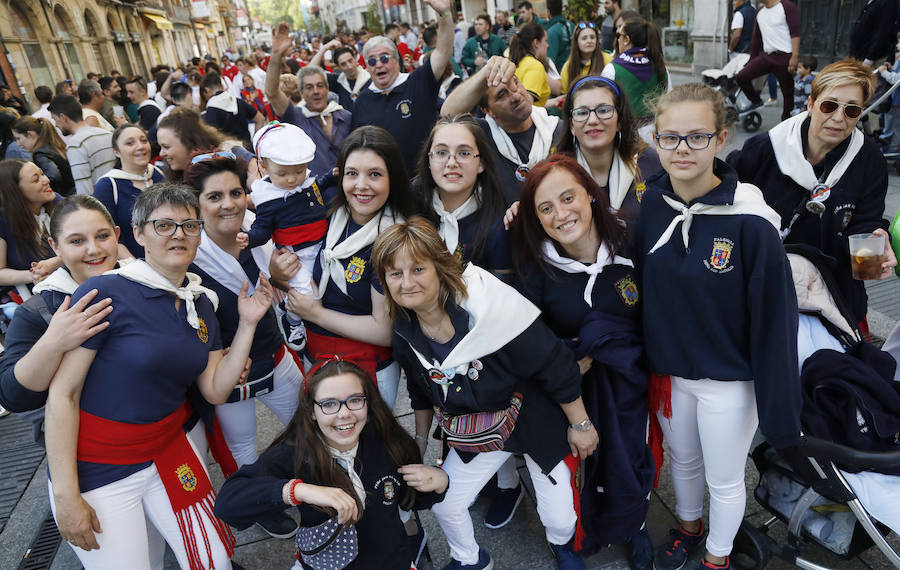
{"points": [[825, 179], [405, 104]]}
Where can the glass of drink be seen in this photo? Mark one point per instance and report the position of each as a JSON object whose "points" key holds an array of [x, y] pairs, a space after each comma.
{"points": [[866, 256]]}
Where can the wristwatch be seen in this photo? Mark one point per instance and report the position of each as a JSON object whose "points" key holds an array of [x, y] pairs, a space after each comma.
{"points": [[585, 425]]}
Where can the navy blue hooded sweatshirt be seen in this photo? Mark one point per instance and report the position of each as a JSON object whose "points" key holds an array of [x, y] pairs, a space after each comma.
{"points": [[724, 308]]}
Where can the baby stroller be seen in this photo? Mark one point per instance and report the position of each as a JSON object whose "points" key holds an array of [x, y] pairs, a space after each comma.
{"points": [[826, 511], [723, 80]]}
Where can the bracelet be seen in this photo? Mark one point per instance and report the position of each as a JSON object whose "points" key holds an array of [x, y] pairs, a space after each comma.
{"points": [[584, 425], [287, 492], [421, 437]]}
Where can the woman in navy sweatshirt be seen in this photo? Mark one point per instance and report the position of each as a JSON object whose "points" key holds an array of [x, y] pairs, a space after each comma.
{"points": [[720, 319]]}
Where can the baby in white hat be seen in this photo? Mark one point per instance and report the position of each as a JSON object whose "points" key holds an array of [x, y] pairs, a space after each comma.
{"points": [[290, 209]]}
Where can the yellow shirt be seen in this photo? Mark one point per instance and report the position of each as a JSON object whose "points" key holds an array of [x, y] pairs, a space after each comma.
{"points": [[564, 74], [534, 77]]}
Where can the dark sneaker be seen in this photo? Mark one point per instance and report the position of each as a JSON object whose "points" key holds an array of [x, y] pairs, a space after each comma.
{"points": [[484, 563], [280, 525], [417, 544], [675, 553], [707, 565], [566, 558], [504, 506], [641, 550]]}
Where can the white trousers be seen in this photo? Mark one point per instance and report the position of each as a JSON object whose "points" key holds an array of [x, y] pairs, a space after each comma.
{"points": [[302, 280], [137, 520], [554, 501], [238, 419], [507, 475], [709, 436]]}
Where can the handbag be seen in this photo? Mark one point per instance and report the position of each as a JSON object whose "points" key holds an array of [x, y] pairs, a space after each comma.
{"points": [[480, 431], [328, 546]]}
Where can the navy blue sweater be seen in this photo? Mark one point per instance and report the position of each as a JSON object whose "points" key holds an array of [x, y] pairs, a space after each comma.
{"points": [[731, 317]]}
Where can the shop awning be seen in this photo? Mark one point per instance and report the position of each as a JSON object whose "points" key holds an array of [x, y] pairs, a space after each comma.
{"points": [[162, 23]]}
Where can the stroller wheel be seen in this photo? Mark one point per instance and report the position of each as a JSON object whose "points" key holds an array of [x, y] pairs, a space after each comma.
{"points": [[751, 548], [751, 121]]}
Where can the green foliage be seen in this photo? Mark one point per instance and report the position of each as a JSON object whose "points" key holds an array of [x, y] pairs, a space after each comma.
{"points": [[373, 19], [582, 10], [274, 11]]}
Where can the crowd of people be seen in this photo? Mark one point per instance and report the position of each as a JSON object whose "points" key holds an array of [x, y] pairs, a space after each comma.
{"points": [[525, 220]]}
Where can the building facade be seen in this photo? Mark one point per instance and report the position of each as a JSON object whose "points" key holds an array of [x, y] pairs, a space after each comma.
{"points": [[47, 41]]}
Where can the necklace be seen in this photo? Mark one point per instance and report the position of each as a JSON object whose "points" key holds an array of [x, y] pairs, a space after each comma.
{"points": [[439, 335]]}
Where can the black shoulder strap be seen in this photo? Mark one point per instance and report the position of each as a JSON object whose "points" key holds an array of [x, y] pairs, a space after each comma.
{"points": [[36, 304]]}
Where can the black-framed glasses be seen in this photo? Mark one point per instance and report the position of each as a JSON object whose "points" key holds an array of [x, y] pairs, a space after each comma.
{"points": [[442, 155], [165, 227], [209, 155], [582, 114], [332, 406], [583, 25], [829, 107], [383, 58], [695, 141]]}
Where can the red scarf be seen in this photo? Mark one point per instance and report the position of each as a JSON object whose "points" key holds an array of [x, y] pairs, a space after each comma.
{"points": [[164, 442], [366, 355], [659, 398]]}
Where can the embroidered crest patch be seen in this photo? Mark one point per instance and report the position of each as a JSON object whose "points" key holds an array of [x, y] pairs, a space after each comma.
{"points": [[315, 189], [202, 331], [355, 269], [627, 290], [387, 488], [639, 190], [186, 477], [720, 257], [405, 108], [460, 251]]}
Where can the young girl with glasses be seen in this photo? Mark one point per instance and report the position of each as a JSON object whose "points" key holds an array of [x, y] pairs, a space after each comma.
{"points": [[720, 322], [342, 455]]}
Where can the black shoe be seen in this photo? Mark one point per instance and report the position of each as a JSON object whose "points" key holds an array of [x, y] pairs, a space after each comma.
{"points": [[504, 506], [641, 550], [675, 553], [280, 525]]}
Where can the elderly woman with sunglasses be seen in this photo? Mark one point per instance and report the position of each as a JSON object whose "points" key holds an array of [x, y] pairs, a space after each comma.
{"points": [[825, 179]]}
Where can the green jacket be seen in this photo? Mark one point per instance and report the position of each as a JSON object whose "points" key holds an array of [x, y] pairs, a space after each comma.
{"points": [[496, 46], [559, 38]]}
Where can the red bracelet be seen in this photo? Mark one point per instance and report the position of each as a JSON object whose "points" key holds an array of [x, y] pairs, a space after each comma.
{"points": [[291, 496]]}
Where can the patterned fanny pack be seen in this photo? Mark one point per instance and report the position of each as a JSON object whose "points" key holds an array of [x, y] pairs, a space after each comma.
{"points": [[328, 546], [481, 431]]}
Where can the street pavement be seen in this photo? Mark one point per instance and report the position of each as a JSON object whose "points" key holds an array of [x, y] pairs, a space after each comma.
{"points": [[519, 545]]}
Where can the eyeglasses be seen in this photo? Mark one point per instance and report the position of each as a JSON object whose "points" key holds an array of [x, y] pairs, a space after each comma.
{"points": [[383, 58], [333, 405], [582, 114], [695, 141], [209, 155], [829, 107], [441, 156], [165, 227], [583, 25]]}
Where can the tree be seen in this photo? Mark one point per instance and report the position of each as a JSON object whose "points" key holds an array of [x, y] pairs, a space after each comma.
{"points": [[274, 11], [372, 17], [582, 10]]}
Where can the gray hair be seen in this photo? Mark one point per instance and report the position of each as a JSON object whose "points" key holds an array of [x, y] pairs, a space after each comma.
{"points": [[380, 41], [310, 70], [87, 89], [167, 193]]}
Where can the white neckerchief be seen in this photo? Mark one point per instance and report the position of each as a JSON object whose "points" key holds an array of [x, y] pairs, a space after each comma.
{"points": [[620, 176], [543, 137], [346, 459], [332, 107], [262, 190], [361, 79], [43, 221], [787, 142], [568, 265], [224, 268], [146, 177], [60, 281], [497, 314], [333, 252], [449, 225], [149, 102], [401, 79], [225, 101], [748, 199], [140, 271]]}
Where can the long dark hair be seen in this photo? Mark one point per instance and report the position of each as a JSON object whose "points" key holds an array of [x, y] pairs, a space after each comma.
{"points": [[46, 133], [26, 232], [383, 144], [491, 203], [575, 54], [528, 231], [522, 43], [627, 142], [193, 133], [310, 453], [645, 35]]}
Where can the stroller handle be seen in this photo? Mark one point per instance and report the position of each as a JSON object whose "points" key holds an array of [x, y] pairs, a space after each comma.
{"points": [[848, 457]]}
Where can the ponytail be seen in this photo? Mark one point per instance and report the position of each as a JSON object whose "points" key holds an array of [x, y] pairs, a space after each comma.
{"points": [[521, 44], [46, 132], [646, 35]]}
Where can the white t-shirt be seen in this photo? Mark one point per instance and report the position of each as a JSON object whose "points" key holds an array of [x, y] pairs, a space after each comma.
{"points": [[773, 26], [737, 22]]}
